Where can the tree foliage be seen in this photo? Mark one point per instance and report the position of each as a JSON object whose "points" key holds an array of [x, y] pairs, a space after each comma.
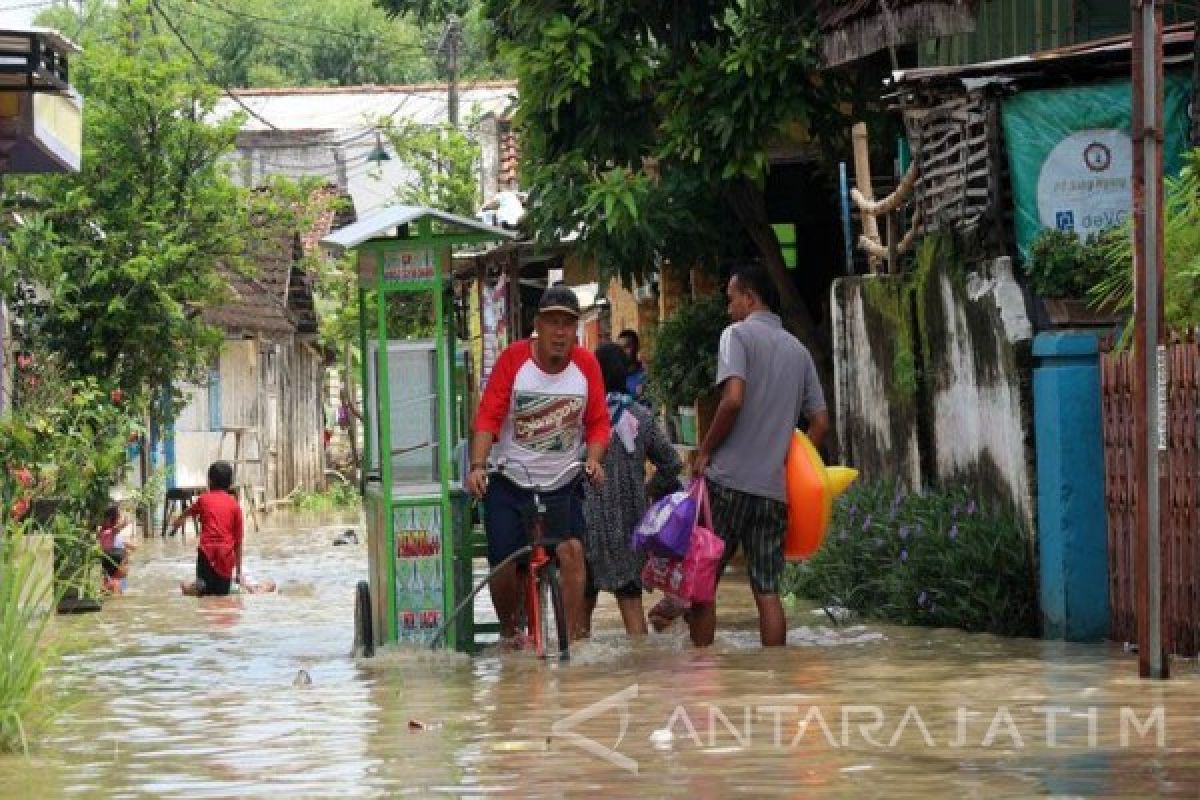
{"points": [[444, 162], [1114, 288], [646, 126], [444, 166], [130, 249], [264, 43]]}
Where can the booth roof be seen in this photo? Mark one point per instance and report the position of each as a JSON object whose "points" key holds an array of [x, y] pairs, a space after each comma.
{"points": [[384, 220]]}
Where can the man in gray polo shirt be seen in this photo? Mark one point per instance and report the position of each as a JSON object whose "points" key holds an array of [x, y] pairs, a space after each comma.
{"points": [[768, 381]]}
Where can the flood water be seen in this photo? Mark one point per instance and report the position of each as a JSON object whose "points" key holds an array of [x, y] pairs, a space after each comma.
{"points": [[177, 697]]}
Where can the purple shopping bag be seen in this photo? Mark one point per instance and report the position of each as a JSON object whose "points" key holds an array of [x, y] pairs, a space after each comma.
{"points": [[666, 527], [693, 578]]}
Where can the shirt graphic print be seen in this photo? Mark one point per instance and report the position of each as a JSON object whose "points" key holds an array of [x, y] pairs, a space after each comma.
{"points": [[547, 423]]}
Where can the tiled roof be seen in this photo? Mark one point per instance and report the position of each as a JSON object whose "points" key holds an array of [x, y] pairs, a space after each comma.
{"points": [[510, 157], [277, 297], [257, 302], [329, 209]]}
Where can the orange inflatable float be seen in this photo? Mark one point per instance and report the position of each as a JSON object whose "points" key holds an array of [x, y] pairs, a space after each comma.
{"points": [[811, 489]]}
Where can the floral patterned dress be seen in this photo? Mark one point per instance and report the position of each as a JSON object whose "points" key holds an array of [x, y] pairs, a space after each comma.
{"points": [[613, 510]]}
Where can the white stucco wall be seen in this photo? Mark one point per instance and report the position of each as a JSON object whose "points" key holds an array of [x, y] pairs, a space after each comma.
{"points": [[969, 420]]}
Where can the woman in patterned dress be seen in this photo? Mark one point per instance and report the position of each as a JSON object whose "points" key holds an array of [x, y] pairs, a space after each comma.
{"points": [[614, 509]]}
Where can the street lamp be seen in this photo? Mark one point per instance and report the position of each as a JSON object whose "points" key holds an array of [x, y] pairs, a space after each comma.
{"points": [[378, 153]]}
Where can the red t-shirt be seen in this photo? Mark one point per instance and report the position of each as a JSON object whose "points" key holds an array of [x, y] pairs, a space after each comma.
{"points": [[540, 419], [220, 529]]}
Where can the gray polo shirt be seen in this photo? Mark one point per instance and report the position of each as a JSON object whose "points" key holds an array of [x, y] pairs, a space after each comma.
{"points": [[781, 384]]}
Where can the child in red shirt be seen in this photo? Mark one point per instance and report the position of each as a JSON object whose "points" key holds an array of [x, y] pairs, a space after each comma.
{"points": [[219, 550]]}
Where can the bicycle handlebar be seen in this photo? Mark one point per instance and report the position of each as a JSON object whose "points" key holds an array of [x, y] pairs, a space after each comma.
{"points": [[503, 468]]}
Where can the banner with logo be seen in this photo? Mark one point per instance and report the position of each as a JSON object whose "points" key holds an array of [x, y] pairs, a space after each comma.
{"points": [[1070, 154]]}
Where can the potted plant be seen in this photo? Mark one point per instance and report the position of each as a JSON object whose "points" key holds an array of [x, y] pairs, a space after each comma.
{"points": [[1062, 269], [683, 366]]}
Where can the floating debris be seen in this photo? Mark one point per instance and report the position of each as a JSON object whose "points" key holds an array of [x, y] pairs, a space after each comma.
{"points": [[349, 536]]}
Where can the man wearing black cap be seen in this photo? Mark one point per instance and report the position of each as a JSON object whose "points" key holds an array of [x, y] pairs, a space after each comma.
{"points": [[543, 401]]}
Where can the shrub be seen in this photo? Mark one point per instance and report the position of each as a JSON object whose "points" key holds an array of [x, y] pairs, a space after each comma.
{"points": [[937, 558], [27, 598], [22, 623], [1060, 265], [338, 497], [1181, 255], [683, 366], [62, 448]]}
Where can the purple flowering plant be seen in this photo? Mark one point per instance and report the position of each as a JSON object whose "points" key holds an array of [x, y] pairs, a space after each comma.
{"points": [[939, 557]]}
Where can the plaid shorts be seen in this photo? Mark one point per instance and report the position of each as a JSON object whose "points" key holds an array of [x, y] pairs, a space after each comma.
{"points": [[757, 524]]}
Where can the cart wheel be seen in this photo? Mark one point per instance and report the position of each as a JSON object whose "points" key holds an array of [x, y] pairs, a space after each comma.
{"points": [[364, 634]]}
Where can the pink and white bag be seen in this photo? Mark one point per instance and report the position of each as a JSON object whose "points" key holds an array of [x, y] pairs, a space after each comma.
{"points": [[692, 579]]}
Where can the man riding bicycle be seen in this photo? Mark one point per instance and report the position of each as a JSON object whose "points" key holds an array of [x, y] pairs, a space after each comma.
{"points": [[544, 398]]}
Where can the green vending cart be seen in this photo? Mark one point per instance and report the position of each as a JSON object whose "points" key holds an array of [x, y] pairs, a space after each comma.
{"points": [[418, 515]]}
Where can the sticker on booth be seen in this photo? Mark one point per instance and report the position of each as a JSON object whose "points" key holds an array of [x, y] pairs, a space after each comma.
{"points": [[408, 265], [420, 582]]}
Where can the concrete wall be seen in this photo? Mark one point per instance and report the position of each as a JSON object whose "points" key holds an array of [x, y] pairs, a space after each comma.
{"points": [[876, 413], [932, 378]]}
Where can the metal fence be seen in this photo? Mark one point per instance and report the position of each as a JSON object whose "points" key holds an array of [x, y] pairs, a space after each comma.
{"points": [[1180, 502]]}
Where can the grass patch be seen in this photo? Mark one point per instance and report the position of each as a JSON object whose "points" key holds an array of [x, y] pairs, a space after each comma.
{"points": [[26, 603], [338, 497]]}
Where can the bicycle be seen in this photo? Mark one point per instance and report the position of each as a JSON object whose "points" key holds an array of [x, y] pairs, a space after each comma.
{"points": [[541, 589]]}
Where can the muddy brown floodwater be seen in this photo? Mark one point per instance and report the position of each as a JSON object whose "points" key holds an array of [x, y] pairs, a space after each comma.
{"points": [[174, 697]]}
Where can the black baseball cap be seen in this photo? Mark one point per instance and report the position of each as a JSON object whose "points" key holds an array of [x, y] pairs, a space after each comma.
{"points": [[559, 298]]}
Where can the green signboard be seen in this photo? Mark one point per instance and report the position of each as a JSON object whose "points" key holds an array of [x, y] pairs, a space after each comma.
{"points": [[1070, 154]]}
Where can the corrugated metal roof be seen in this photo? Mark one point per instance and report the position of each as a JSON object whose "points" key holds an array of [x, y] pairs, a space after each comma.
{"points": [[1177, 43], [383, 221], [852, 29], [346, 108]]}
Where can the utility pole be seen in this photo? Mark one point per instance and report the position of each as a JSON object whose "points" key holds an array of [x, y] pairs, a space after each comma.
{"points": [[1150, 354], [448, 46]]}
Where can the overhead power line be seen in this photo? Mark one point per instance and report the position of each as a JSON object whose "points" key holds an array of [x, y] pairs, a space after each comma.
{"points": [[290, 24], [299, 47], [204, 67]]}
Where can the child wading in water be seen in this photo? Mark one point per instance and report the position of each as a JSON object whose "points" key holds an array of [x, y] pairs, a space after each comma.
{"points": [[219, 551]]}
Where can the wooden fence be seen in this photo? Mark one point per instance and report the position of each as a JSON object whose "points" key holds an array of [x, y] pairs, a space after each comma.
{"points": [[1180, 503]]}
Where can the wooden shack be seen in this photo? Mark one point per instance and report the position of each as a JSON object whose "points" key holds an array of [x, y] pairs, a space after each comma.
{"points": [[267, 385]]}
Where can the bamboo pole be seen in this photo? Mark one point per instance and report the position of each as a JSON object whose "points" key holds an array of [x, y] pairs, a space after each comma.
{"points": [[862, 177]]}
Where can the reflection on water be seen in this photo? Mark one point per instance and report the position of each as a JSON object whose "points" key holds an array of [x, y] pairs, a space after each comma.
{"points": [[180, 697]]}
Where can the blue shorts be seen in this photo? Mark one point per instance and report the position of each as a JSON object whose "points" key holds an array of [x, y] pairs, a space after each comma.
{"points": [[507, 510]]}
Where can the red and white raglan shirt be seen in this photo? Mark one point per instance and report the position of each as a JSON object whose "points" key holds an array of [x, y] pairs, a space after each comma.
{"points": [[540, 420]]}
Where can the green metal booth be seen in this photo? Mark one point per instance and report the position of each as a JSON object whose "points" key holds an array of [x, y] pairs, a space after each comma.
{"points": [[419, 529]]}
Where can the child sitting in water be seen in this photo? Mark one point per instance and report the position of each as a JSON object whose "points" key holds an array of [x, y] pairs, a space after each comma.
{"points": [[219, 548], [111, 540]]}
